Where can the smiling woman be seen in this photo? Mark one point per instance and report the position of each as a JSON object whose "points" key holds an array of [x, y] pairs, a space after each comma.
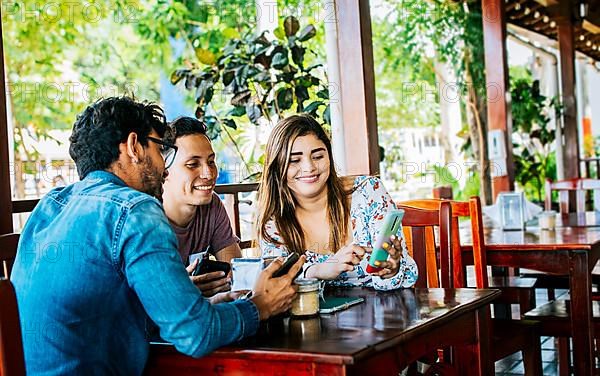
{"points": [[305, 207]]}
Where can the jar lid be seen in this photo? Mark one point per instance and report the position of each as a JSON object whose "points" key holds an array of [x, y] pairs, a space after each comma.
{"points": [[307, 284]]}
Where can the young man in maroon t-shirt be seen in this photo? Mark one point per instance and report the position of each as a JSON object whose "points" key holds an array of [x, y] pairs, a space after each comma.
{"points": [[195, 211]]}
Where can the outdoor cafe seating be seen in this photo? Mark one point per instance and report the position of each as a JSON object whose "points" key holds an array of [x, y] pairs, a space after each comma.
{"points": [[469, 111]]}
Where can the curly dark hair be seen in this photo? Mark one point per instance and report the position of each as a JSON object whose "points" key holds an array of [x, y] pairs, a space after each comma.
{"points": [[102, 126], [183, 126]]}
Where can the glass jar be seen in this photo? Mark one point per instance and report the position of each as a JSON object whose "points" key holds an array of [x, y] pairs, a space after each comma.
{"points": [[306, 302]]}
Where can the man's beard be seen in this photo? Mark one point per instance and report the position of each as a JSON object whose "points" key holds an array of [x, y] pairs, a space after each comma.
{"points": [[152, 179]]}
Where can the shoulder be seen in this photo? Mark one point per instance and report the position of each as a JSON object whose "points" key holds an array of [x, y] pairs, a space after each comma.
{"points": [[366, 185]]}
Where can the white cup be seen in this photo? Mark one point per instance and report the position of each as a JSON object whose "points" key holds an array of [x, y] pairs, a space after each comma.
{"points": [[547, 220], [245, 272]]}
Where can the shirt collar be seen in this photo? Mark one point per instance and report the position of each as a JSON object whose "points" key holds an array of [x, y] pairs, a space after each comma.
{"points": [[106, 176]]}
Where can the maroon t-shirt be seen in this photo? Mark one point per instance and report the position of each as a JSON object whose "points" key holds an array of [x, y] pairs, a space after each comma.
{"points": [[210, 225]]}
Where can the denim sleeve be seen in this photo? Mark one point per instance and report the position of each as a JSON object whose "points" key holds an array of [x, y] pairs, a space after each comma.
{"points": [[149, 260]]}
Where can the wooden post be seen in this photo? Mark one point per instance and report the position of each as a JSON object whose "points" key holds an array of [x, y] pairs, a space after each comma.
{"points": [[496, 72], [357, 86], [6, 222], [566, 46]]}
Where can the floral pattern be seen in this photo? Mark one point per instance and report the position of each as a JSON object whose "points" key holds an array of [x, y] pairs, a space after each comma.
{"points": [[370, 204]]}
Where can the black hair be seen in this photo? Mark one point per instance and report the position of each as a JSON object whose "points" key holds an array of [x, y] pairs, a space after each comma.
{"points": [[102, 126], [184, 126]]}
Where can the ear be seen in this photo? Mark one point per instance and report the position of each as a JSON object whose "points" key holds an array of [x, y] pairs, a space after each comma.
{"points": [[134, 148]]}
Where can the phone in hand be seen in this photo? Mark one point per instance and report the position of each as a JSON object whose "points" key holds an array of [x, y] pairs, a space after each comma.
{"points": [[289, 261], [391, 224], [207, 266]]}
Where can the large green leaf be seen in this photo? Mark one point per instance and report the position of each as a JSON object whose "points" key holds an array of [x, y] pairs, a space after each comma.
{"points": [[298, 55], [241, 98], [301, 93], [285, 98], [280, 60], [230, 123], [253, 112], [307, 33], [291, 26]]}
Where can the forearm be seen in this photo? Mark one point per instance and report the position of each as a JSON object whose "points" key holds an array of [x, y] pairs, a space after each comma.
{"points": [[228, 253]]}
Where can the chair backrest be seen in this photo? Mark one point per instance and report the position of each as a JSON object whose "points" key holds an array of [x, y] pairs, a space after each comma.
{"points": [[8, 253], [566, 188], [470, 209], [419, 227], [11, 345]]}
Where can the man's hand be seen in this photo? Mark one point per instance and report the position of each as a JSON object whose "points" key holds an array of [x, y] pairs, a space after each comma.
{"points": [[390, 267], [274, 295], [209, 283], [229, 296], [343, 260]]}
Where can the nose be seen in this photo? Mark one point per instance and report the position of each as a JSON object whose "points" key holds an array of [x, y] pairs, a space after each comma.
{"points": [[308, 165], [206, 172]]}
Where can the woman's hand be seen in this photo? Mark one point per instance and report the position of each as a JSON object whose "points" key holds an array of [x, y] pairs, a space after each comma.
{"points": [[343, 260], [390, 267]]}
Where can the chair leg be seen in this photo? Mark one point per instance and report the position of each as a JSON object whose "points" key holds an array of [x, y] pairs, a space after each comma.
{"points": [[526, 300], [532, 358], [551, 294], [564, 356]]}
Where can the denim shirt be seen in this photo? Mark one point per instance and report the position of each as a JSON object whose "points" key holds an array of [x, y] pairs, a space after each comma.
{"points": [[95, 260]]}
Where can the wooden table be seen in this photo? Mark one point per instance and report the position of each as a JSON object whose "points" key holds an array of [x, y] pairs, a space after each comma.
{"points": [[570, 251], [381, 336]]}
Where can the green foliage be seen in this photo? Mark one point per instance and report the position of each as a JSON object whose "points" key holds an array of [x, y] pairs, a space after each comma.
{"points": [[260, 77], [533, 140], [462, 188], [61, 56]]}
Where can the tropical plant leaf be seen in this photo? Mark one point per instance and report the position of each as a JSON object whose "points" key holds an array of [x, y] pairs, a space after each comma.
{"points": [[205, 56], [307, 33], [291, 26], [253, 112], [313, 107], [230, 123], [280, 60]]}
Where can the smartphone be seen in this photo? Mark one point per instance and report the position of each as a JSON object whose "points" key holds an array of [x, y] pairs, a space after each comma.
{"points": [[208, 266], [391, 224], [289, 261]]}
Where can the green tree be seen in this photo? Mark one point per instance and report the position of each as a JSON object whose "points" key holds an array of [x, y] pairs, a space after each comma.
{"points": [[418, 30], [61, 56]]}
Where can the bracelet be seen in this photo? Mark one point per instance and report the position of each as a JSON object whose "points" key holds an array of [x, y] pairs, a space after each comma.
{"points": [[246, 296], [305, 270]]}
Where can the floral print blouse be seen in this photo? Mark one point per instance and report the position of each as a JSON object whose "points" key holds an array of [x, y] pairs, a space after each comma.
{"points": [[370, 204]]}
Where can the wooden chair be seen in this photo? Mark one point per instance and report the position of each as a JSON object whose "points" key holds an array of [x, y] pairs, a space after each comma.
{"points": [[8, 253], [11, 346], [515, 290], [579, 186], [508, 336]]}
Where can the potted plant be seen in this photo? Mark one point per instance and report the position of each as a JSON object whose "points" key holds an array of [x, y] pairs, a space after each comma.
{"points": [[533, 139]]}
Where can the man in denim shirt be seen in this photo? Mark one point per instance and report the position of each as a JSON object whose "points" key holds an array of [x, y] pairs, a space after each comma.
{"points": [[98, 257]]}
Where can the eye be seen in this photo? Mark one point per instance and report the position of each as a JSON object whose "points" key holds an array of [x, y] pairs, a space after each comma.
{"points": [[211, 163], [191, 165], [295, 160], [317, 157]]}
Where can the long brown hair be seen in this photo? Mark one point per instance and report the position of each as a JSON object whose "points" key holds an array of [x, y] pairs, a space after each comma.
{"points": [[275, 200]]}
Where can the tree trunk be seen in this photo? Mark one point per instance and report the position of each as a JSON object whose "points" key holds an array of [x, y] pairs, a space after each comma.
{"points": [[476, 117]]}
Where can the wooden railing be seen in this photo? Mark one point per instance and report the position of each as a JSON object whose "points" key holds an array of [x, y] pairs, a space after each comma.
{"points": [[590, 167], [232, 202]]}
